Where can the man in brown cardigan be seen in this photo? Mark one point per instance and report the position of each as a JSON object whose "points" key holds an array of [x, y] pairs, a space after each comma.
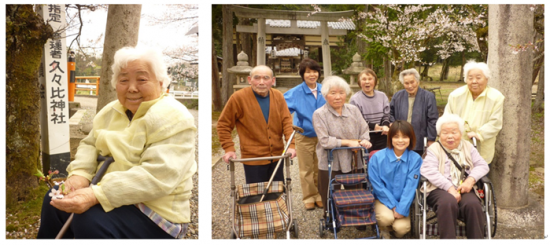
{"points": [[262, 117]]}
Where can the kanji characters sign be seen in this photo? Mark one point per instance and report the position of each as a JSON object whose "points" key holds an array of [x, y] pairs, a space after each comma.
{"points": [[53, 92]]}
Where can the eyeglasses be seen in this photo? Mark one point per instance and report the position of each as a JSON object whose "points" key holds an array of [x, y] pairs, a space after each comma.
{"points": [[258, 77]]}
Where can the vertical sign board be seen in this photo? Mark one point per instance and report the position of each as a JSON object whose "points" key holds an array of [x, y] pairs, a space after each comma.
{"points": [[54, 112]]}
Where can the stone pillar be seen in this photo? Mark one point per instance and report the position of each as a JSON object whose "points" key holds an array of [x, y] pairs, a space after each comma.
{"points": [[511, 75], [325, 49], [260, 48]]}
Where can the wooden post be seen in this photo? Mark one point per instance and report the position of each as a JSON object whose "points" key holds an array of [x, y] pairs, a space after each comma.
{"points": [[54, 98], [260, 48], [327, 67]]}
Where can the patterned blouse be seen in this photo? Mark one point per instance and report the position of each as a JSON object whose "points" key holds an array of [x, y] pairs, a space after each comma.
{"points": [[332, 128]]}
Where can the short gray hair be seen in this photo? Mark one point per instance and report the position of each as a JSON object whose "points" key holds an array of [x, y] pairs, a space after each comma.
{"points": [[407, 72], [477, 65], [333, 82], [150, 56], [450, 118], [261, 66]]}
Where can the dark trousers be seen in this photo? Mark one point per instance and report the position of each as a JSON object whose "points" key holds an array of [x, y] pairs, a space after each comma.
{"points": [[378, 141], [122, 222], [420, 152], [448, 211], [323, 186], [262, 173]]}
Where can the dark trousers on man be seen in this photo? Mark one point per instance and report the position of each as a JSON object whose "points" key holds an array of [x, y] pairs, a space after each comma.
{"points": [[448, 211], [122, 222], [262, 173]]}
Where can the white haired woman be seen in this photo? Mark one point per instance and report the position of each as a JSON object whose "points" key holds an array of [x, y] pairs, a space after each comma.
{"points": [[416, 106], [453, 166], [337, 124], [480, 106], [145, 192]]}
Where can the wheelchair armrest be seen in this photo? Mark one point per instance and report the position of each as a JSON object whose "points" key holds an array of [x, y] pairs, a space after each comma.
{"points": [[421, 181], [485, 180]]}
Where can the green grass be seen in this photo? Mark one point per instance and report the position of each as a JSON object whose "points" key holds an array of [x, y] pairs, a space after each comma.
{"points": [[85, 92], [22, 218], [435, 71]]}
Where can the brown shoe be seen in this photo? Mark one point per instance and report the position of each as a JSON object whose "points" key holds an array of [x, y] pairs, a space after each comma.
{"points": [[319, 204], [310, 206]]}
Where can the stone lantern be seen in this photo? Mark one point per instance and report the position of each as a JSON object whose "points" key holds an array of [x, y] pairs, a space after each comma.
{"points": [[241, 70], [355, 68]]}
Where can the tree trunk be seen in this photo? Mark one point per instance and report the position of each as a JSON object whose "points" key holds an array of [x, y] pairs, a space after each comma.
{"points": [[424, 74], [385, 83], [228, 78], [537, 63], [446, 71], [362, 46], [461, 77], [540, 91], [216, 95], [26, 35], [444, 67], [511, 75], [122, 31]]}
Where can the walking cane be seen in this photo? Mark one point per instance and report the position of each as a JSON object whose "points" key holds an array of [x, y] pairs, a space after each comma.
{"points": [[96, 179], [296, 128]]}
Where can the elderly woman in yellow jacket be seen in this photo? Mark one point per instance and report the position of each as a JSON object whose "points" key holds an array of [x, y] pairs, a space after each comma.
{"points": [[480, 106], [145, 191]]}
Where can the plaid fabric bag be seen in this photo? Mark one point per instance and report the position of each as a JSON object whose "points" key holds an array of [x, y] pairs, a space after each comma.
{"points": [[350, 179], [261, 219], [354, 207]]}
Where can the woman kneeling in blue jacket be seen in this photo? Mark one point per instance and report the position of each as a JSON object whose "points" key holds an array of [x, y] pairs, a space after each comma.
{"points": [[394, 173]]}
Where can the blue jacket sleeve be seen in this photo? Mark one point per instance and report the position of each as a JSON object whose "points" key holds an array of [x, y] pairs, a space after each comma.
{"points": [[380, 191], [289, 98], [411, 183]]}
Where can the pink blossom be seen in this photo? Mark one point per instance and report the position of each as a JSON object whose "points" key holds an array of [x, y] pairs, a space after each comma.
{"points": [[56, 194]]}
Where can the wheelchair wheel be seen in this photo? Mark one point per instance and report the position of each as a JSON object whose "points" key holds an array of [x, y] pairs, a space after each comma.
{"points": [[321, 227], [492, 211], [416, 219]]}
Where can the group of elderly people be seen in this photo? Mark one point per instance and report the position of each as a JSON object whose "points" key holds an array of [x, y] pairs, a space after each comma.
{"points": [[398, 129]]}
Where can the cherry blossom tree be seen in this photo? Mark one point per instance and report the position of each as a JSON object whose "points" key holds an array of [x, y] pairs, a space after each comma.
{"points": [[407, 30]]}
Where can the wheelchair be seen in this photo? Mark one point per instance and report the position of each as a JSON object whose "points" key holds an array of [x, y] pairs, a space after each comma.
{"points": [[424, 219]]}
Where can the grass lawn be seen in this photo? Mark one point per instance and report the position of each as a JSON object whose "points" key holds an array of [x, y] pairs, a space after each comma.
{"points": [[23, 219]]}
